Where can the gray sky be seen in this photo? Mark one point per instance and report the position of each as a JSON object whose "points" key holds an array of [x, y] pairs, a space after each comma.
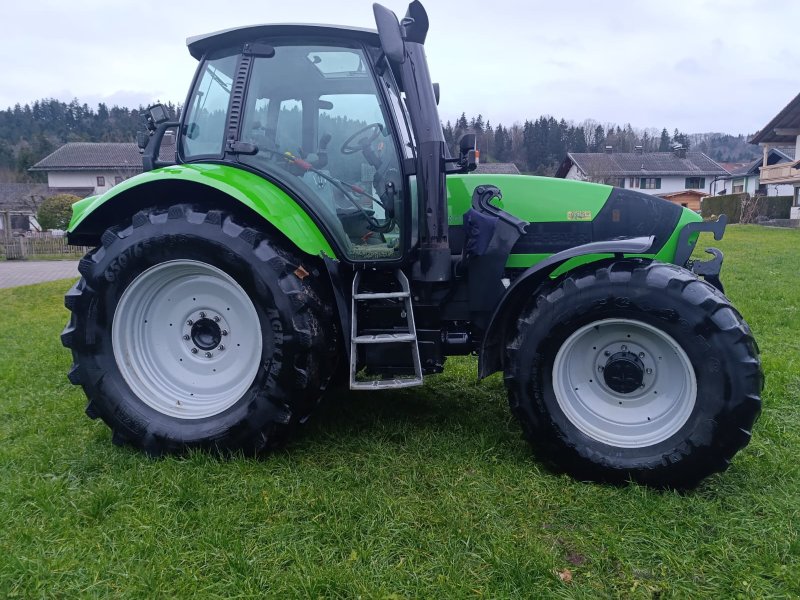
{"points": [[701, 65]]}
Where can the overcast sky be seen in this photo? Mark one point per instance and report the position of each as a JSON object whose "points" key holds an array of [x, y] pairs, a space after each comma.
{"points": [[698, 65]]}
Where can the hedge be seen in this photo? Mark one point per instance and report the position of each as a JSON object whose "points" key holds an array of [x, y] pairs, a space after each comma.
{"points": [[771, 207]]}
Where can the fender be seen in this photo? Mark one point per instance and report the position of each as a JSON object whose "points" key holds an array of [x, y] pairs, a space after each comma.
{"points": [[90, 216], [521, 291]]}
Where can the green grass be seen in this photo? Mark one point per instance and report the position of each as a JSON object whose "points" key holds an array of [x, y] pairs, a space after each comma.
{"points": [[427, 493]]}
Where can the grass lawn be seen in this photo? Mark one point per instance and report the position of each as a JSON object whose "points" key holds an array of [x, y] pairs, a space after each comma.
{"points": [[419, 493]]}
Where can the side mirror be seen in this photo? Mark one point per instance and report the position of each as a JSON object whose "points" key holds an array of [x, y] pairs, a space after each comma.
{"points": [[142, 138], [468, 155], [389, 32]]}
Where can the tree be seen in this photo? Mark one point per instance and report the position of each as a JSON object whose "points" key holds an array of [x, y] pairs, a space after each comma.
{"points": [[664, 143], [56, 211]]}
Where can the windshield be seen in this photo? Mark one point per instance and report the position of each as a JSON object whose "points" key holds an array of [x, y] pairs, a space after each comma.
{"points": [[204, 134]]}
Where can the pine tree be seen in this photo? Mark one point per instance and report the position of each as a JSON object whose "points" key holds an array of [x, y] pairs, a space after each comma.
{"points": [[664, 143]]}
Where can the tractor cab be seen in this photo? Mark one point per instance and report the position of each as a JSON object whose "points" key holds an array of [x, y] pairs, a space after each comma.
{"points": [[315, 110]]}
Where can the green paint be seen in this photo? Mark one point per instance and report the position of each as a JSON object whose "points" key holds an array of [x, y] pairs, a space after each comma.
{"points": [[251, 190], [540, 199]]}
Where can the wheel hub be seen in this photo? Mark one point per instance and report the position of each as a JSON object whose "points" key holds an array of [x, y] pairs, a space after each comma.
{"points": [[206, 334], [624, 372]]}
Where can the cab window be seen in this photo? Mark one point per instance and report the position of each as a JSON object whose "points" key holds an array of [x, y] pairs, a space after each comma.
{"points": [[315, 115], [204, 131]]}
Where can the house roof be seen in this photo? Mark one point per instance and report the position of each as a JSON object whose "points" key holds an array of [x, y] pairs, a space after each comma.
{"points": [[774, 157], [602, 164], [698, 193], [17, 196], [497, 168], [91, 156], [788, 118]]}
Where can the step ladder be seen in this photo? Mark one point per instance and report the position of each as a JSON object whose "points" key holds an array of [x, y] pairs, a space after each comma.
{"points": [[406, 337]]}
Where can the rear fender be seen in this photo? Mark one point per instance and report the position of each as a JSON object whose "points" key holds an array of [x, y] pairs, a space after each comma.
{"points": [[211, 185], [490, 357]]}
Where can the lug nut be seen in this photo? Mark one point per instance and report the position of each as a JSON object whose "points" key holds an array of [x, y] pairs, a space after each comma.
{"points": [[224, 332], [641, 354], [202, 315], [607, 353], [190, 322], [216, 318], [648, 371], [209, 355], [220, 347], [194, 350], [624, 348], [600, 368], [186, 336]]}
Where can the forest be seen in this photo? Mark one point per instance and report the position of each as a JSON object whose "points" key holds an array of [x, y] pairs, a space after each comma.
{"points": [[30, 132]]}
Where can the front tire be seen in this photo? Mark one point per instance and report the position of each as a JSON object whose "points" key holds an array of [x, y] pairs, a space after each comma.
{"points": [[637, 371], [189, 329]]}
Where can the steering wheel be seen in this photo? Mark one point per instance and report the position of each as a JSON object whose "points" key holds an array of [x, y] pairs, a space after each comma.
{"points": [[348, 148]]}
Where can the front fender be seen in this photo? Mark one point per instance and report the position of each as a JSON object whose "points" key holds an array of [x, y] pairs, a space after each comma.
{"points": [[524, 286], [91, 215]]}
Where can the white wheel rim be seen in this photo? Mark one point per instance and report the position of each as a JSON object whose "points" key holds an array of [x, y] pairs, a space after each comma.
{"points": [[658, 407], [192, 378]]}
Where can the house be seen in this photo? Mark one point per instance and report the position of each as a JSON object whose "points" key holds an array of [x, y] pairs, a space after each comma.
{"points": [[649, 172], [746, 177], [782, 130], [18, 205], [88, 168], [496, 168]]}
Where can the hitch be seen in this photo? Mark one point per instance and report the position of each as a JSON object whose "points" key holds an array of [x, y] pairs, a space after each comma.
{"points": [[709, 269]]}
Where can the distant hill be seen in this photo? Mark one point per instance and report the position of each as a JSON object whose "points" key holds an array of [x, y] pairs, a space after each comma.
{"points": [[723, 147]]}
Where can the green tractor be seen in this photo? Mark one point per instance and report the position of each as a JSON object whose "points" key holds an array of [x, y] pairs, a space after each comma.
{"points": [[309, 225]]}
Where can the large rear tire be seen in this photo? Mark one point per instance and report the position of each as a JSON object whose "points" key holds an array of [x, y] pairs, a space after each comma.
{"points": [[634, 371], [190, 329]]}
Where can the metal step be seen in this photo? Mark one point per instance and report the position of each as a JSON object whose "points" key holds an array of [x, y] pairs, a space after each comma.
{"points": [[409, 337], [378, 384], [381, 295], [385, 338]]}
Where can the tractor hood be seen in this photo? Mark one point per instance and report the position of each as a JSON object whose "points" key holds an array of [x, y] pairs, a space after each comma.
{"points": [[564, 213]]}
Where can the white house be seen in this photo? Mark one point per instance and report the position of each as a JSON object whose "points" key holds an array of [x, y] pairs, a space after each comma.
{"points": [[656, 173], [88, 168]]}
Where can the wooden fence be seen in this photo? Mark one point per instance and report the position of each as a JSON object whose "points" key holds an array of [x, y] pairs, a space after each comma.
{"points": [[40, 245]]}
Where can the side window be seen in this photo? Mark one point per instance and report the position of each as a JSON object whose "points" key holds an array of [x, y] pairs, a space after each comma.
{"points": [[204, 133]]}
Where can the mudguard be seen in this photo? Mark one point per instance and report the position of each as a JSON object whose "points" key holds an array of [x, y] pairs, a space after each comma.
{"points": [[489, 357], [91, 216]]}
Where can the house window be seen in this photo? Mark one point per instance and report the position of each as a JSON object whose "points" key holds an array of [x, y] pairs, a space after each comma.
{"points": [[615, 181], [695, 183], [101, 181], [738, 186], [117, 180], [650, 183], [633, 182]]}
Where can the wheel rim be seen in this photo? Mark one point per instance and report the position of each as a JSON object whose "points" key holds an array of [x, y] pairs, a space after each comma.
{"points": [[186, 339], [624, 383]]}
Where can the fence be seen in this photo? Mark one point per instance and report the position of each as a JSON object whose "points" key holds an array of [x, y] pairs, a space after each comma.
{"points": [[40, 245]]}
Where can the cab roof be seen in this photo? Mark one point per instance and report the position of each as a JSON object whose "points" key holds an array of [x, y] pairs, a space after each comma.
{"points": [[200, 44]]}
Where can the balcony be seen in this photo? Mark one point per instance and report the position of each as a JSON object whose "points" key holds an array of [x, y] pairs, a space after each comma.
{"points": [[781, 173]]}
